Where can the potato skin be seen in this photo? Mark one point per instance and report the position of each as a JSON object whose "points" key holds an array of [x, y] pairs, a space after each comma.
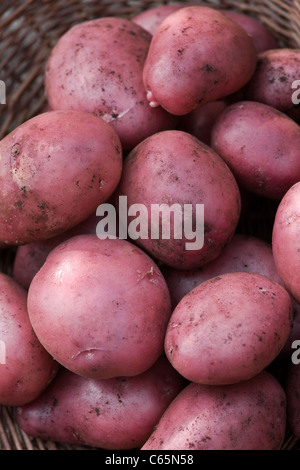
{"points": [[260, 145], [261, 36], [118, 413], [181, 170], [100, 307], [182, 72], [247, 416], [151, 18], [110, 53], [272, 81], [44, 156], [242, 254], [27, 368], [285, 240], [228, 328]]}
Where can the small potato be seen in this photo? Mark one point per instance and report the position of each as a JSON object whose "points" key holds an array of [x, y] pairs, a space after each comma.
{"points": [[100, 307], [263, 39], [118, 413], [272, 82], [242, 254], [285, 240], [26, 368], [196, 55], [173, 169], [56, 168], [260, 145], [97, 66], [245, 416], [228, 328]]}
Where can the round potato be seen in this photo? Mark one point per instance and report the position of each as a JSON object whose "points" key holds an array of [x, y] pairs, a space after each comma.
{"points": [[182, 175], [242, 254], [118, 413], [100, 307], [26, 368], [56, 168], [272, 82], [97, 66], [260, 145], [285, 240], [182, 72], [262, 37], [245, 416], [229, 328]]}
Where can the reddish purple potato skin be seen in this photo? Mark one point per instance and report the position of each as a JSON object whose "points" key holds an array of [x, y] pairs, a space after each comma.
{"points": [[27, 368], [29, 258], [247, 416], [261, 36], [182, 170], [57, 150], [272, 81], [261, 147], [242, 254], [150, 19], [229, 328], [285, 240], [118, 413], [111, 52], [100, 307], [219, 65]]}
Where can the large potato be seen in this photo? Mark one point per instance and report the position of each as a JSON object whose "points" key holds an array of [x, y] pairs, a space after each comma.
{"points": [[100, 307], [97, 66], [245, 416], [229, 328], [260, 145], [196, 55], [26, 368], [285, 240], [173, 169], [56, 168], [118, 413]]}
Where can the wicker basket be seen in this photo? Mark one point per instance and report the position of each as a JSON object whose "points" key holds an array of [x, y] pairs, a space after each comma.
{"points": [[28, 31]]}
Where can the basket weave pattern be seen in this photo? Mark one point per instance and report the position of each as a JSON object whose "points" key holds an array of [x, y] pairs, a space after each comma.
{"points": [[28, 31]]}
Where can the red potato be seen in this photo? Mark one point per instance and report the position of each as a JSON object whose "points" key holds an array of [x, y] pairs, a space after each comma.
{"points": [[151, 18], [26, 368], [29, 258], [242, 254], [247, 416], [97, 66], [180, 170], [229, 328], [272, 82], [263, 39], [260, 145], [118, 413], [200, 121], [100, 307], [285, 240], [182, 72], [56, 168]]}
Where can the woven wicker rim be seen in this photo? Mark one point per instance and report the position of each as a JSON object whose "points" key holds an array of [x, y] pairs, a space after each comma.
{"points": [[28, 31]]}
